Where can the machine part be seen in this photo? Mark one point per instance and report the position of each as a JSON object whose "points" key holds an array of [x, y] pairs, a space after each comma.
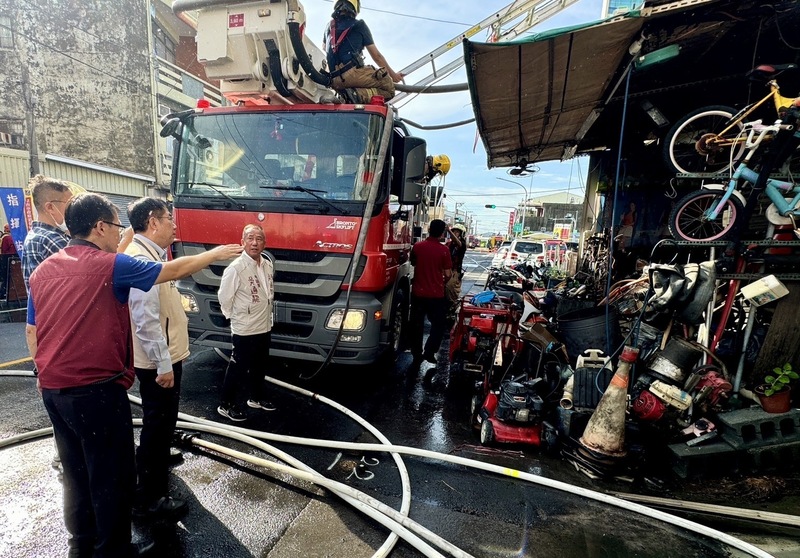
{"points": [[589, 386], [678, 356], [566, 398], [648, 407], [702, 426], [671, 395], [592, 358], [717, 386], [702, 438]]}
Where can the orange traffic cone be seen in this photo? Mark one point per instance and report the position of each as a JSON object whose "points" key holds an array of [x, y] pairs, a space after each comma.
{"points": [[605, 432]]}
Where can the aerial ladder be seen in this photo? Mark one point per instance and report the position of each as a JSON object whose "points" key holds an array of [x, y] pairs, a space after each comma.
{"points": [[268, 56], [505, 25]]}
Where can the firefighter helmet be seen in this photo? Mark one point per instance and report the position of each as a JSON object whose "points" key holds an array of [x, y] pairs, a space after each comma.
{"points": [[441, 163], [459, 227], [347, 5]]}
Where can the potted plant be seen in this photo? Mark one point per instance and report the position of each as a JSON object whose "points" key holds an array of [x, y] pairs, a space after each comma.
{"points": [[774, 393]]}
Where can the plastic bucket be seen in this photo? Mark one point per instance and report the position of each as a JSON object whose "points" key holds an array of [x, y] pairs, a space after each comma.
{"points": [[586, 329]]}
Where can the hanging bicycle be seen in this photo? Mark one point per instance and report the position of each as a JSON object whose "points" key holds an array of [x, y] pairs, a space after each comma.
{"points": [[710, 139], [713, 212]]}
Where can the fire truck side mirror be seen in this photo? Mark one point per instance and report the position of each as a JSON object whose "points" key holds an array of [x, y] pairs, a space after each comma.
{"points": [[172, 127], [413, 174]]}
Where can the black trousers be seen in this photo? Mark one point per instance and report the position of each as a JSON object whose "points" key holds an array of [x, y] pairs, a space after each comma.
{"points": [[94, 435], [435, 309], [159, 415], [246, 369]]}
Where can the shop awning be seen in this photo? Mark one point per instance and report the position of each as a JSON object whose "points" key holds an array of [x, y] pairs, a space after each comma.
{"points": [[533, 99]]}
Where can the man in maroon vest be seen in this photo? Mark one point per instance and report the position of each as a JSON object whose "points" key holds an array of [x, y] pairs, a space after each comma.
{"points": [[81, 343]]}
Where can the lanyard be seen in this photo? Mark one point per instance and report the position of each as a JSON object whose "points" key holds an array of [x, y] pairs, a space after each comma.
{"points": [[334, 41]]}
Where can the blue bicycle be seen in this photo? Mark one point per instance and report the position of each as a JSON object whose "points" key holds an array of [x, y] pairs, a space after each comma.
{"points": [[714, 212]]}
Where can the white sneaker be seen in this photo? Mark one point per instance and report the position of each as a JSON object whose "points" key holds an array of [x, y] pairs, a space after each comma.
{"points": [[261, 404]]}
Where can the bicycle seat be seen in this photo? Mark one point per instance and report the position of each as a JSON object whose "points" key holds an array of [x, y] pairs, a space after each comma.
{"points": [[768, 71]]}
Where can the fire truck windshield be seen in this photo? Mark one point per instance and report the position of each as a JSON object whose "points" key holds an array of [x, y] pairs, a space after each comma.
{"points": [[291, 155]]}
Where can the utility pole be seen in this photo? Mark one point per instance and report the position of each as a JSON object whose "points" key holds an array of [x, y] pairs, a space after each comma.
{"points": [[524, 204], [30, 102]]}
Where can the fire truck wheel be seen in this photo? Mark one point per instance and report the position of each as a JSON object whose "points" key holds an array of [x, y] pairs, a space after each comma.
{"points": [[487, 433], [397, 322]]}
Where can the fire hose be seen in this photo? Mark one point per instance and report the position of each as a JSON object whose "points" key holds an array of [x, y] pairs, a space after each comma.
{"points": [[688, 525]]}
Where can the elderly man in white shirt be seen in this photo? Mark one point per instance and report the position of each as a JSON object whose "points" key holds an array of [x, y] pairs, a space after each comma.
{"points": [[246, 295], [160, 345]]}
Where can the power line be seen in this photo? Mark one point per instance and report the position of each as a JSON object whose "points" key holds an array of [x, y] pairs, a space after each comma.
{"points": [[411, 16]]}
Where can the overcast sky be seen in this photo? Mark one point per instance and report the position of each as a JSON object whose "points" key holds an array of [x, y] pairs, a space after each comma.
{"points": [[407, 30]]}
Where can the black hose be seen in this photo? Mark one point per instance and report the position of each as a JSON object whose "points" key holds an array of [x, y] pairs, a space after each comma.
{"points": [[323, 79], [437, 126], [452, 88]]}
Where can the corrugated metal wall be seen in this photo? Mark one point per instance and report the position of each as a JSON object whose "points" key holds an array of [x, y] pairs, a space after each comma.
{"points": [[121, 190], [95, 180], [14, 167]]}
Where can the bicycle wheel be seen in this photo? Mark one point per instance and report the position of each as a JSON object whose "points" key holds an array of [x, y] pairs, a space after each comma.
{"points": [[681, 142], [690, 219]]}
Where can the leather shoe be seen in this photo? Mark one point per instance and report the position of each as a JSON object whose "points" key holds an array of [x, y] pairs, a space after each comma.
{"points": [[142, 548], [175, 456], [163, 507]]}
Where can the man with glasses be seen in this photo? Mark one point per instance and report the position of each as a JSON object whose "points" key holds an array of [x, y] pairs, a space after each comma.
{"points": [[160, 345], [78, 304], [246, 295]]}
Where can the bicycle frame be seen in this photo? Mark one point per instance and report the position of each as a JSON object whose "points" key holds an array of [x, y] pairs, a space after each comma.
{"points": [[774, 189], [779, 100]]}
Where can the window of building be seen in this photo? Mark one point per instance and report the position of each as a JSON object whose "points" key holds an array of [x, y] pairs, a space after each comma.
{"points": [[6, 35], [163, 44]]}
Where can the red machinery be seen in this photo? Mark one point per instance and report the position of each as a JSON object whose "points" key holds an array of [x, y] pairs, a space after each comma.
{"points": [[484, 345]]}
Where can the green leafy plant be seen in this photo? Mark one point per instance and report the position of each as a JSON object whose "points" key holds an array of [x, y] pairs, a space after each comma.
{"points": [[779, 379]]}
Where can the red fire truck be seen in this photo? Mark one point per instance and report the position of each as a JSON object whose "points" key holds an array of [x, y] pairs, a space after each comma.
{"points": [[335, 187]]}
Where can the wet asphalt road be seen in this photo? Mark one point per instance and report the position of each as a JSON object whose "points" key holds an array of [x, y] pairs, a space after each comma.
{"points": [[240, 510]]}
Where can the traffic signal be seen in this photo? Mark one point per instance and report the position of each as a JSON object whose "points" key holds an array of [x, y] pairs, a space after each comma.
{"points": [[490, 206]]}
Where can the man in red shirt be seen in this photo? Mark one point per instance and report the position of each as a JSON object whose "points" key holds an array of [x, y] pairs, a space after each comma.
{"points": [[432, 269]]}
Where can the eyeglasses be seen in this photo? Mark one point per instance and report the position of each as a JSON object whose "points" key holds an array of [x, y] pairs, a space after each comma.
{"points": [[120, 227], [168, 216]]}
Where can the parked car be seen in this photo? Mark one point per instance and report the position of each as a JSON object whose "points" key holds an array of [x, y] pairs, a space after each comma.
{"points": [[500, 255], [521, 249]]}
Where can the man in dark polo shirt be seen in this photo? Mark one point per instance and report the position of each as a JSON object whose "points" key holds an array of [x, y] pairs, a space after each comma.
{"points": [[432, 269], [79, 334]]}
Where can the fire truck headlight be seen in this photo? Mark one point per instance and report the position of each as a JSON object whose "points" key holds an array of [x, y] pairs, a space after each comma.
{"points": [[354, 321], [189, 303]]}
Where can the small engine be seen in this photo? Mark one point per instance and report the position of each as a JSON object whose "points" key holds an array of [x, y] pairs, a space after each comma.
{"points": [[519, 402]]}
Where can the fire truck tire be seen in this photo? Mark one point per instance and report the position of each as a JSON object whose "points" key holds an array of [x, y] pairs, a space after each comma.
{"points": [[397, 323], [487, 433]]}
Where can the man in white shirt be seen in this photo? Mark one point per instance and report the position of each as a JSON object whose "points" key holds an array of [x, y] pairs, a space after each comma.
{"points": [[246, 295], [160, 345]]}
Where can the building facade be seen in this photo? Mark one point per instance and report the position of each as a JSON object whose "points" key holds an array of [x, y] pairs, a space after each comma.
{"points": [[85, 85]]}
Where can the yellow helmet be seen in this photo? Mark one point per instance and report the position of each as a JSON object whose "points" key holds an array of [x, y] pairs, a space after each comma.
{"points": [[356, 4], [441, 164], [459, 227]]}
